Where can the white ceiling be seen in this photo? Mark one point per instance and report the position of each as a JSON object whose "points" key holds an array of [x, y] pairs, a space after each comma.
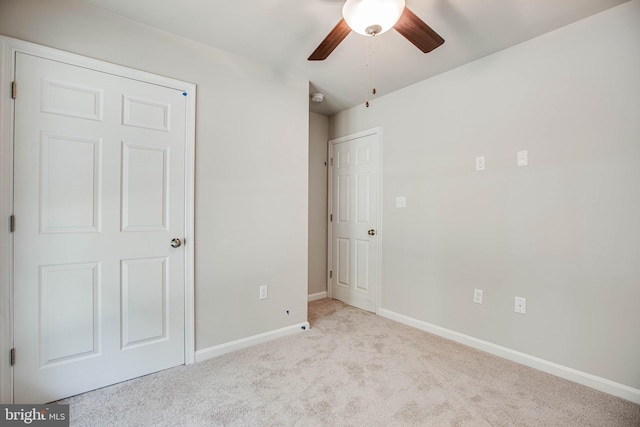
{"points": [[283, 33]]}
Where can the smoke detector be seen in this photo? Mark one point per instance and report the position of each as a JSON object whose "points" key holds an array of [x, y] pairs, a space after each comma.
{"points": [[317, 97]]}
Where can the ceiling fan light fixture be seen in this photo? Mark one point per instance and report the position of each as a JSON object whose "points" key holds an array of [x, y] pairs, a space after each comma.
{"points": [[372, 17]]}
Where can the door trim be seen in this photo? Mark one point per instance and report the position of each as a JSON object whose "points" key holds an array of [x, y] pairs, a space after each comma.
{"points": [[377, 131], [8, 49]]}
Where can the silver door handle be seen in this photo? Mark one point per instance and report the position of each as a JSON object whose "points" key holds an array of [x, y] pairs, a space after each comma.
{"points": [[371, 232], [176, 243]]}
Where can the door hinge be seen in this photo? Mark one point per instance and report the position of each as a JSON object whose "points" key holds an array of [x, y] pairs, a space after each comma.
{"points": [[12, 356], [12, 223], [14, 89], [331, 218], [330, 274], [331, 158]]}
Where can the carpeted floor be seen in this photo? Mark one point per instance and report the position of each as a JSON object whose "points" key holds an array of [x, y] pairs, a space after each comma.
{"points": [[352, 368]]}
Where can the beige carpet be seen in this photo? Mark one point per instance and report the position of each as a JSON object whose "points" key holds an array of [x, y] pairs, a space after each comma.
{"points": [[352, 368]]}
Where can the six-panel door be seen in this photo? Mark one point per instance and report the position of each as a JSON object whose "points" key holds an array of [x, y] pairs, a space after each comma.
{"points": [[354, 209], [99, 194]]}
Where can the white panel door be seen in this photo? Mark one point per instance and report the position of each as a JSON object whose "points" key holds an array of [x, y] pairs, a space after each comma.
{"points": [[354, 225], [99, 195]]}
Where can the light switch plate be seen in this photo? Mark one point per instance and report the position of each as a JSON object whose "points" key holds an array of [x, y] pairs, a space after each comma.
{"points": [[523, 158], [477, 296], [401, 202]]}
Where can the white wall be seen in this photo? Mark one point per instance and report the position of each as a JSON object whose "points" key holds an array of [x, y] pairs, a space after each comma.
{"points": [[564, 231], [251, 161], [318, 137]]}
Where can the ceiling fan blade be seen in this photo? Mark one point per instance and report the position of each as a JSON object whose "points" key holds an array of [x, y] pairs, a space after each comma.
{"points": [[417, 32], [330, 42]]}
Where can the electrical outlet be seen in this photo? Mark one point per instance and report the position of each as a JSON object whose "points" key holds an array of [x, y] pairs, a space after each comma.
{"points": [[477, 296], [401, 202], [521, 305], [263, 292], [480, 163]]}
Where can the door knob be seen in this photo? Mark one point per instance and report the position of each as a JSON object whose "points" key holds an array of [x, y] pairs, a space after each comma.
{"points": [[176, 243], [372, 232]]}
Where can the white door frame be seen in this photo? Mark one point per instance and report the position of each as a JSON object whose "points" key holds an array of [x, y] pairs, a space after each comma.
{"points": [[377, 131], [8, 49]]}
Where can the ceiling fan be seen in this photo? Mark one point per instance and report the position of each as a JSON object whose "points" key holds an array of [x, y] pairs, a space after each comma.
{"points": [[373, 17]]}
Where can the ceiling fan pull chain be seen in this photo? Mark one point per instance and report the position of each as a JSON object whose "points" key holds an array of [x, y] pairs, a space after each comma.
{"points": [[370, 78], [367, 74], [373, 64]]}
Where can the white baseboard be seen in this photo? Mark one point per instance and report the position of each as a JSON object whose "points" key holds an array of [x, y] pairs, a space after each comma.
{"points": [[219, 350], [316, 297], [598, 383]]}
